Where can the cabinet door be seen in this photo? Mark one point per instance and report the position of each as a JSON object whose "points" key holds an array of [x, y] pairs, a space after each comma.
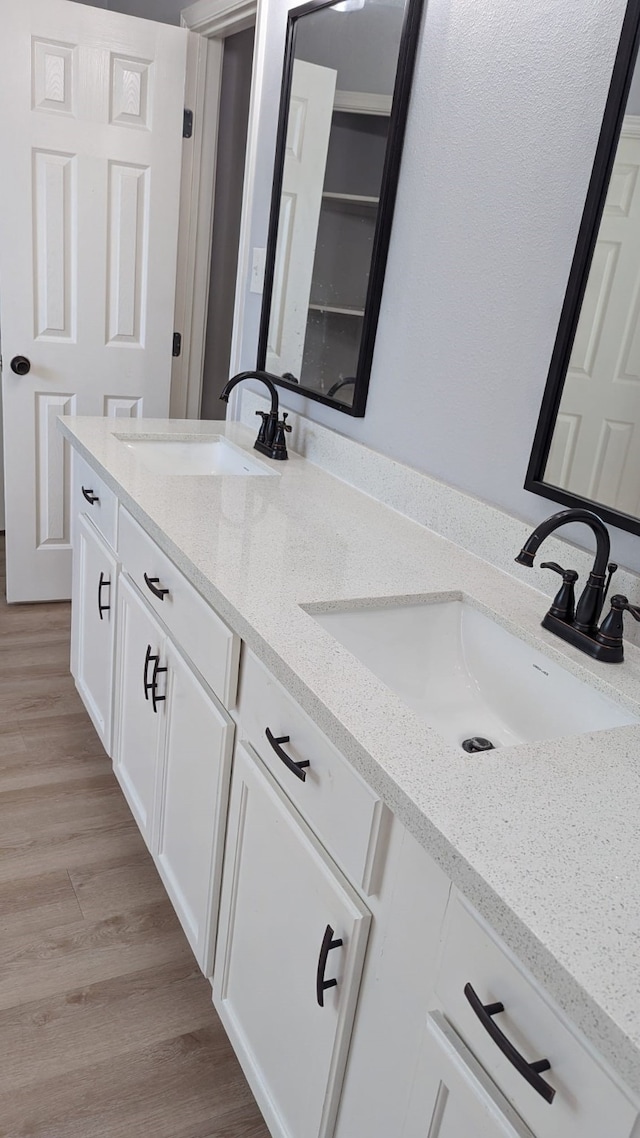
{"points": [[140, 706], [453, 1095], [281, 899], [93, 626], [192, 805]]}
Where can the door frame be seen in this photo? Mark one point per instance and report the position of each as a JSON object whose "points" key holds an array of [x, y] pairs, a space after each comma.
{"points": [[213, 20]]}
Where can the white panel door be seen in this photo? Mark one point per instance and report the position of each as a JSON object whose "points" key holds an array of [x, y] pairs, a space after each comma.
{"points": [[282, 898], [453, 1096], [310, 110], [192, 803], [596, 444], [91, 139], [93, 618]]}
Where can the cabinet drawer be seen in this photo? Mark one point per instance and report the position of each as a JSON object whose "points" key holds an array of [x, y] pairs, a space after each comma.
{"points": [[587, 1102], [332, 798], [92, 497], [212, 647]]}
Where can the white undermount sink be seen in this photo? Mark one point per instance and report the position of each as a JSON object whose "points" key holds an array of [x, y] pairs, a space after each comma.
{"points": [[213, 455], [466, 675]]}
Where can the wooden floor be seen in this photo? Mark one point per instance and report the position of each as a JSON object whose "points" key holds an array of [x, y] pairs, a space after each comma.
{"points": [[106, 1025]]}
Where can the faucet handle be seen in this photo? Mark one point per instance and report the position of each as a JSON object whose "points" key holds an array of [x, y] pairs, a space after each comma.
{"points": [[611, 630], [564, 603], [569, 576], [621, 604], [262, 433]]}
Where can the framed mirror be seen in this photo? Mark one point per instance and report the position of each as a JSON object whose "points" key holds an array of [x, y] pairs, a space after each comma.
{"points": [[586, 449], [345, 91]]}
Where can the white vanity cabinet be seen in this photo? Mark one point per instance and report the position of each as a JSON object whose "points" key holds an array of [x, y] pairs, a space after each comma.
{"points": [[172, 757], [290, 951], [343, 951]]}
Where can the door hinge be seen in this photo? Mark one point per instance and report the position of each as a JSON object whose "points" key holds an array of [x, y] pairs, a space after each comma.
{"points": [[177, 344], [187, 123]]}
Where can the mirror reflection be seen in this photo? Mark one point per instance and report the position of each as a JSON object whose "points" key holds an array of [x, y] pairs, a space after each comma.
{"points": [[595, 447], [343, 70]]}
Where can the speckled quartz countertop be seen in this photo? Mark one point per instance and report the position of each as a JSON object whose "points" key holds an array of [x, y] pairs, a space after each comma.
{"points": [[544, 838]]}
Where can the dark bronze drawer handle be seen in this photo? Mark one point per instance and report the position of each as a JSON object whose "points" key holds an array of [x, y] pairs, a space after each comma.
{"points": [[529, 1071], [152, 685], [153, 585], [295, 768], [90, 496], [102, 583], [325, 948]]}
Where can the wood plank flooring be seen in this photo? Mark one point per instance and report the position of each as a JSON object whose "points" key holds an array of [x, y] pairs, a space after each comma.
{"points": [[106, 1025]]}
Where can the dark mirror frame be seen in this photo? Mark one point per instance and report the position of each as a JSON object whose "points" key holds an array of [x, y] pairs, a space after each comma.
{"points": [[587, 236], [397, 122]]}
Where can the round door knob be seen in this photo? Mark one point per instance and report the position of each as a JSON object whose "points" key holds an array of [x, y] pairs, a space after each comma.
{"points": [[21, 365]]}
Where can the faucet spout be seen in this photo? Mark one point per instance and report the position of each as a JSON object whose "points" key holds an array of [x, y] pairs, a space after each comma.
{"points": [[590, 604], [263, 376], [270, 440]]}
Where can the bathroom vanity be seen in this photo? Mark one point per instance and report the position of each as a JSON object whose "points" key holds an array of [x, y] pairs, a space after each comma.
{"points": [[403, 939]]}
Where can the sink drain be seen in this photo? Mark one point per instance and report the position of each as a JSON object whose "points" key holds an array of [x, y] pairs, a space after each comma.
{"points": [[477, 743]]}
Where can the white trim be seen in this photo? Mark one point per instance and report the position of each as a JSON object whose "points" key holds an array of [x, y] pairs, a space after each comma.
{"points": [[213, 20], [248, 193], [219, 18], [631, 126], [190, 190], [362, 103]]}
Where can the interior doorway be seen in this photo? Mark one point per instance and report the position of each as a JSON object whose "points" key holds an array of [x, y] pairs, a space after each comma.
{"points": [[206, 168], [235, 94]]}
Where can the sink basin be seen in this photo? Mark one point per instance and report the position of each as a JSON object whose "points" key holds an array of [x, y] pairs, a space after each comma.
{"points": [[194, 456], [466, 675]]}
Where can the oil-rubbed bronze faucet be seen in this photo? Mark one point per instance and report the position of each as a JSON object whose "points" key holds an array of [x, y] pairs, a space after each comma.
{"points": [[271, 436], [578, 624]]}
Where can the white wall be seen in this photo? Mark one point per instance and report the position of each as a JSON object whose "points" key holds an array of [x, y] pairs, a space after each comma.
{"points": [[168, 11], [503, 124]]}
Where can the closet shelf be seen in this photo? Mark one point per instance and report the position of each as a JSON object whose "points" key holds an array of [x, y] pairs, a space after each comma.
{"points": [[350, 199], [332, 308]]}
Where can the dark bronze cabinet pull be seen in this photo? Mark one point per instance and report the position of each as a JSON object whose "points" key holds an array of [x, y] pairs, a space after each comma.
{"points": [[296, 768], [152, 685], [529, 1071], [90, 496], [153, 584], [325, 948], [104, 581]]}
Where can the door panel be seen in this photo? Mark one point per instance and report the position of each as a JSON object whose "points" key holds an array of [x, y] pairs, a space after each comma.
{"points": [[93, 625], [193, 804], [596, 446], [280, 894], [312, 95], [453, 1096], [137, 740], [91, 137]]}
